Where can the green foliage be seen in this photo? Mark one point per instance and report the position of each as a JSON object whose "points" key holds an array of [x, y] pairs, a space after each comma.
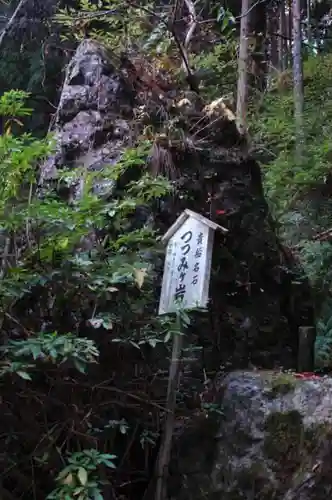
{"points": [[12, 103], [273, 129], [78, 267], [79, 479], [113, 23], [219, 66], [33, 62], [299, 195], [317, 260], [323, 353], [52, 348]]}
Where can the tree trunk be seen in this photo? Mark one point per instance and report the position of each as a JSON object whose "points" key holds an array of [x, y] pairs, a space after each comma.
{"points": [[298, 81], [309, 36], [289, 33], [282, 42], [258, 54], [242, 84], [273, 40]]}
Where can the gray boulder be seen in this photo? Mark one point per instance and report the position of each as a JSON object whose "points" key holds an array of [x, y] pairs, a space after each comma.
{"points": [[264, 435]]}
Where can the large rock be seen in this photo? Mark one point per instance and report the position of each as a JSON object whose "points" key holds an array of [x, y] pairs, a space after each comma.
{"points": [[89, 128], [257, 304], [265, 436]]}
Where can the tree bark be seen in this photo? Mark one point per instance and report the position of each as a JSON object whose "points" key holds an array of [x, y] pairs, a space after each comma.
{"points": [[258, 54], [289, 33], [309, 36], [242, 83], [282, 42], [273, 29], [298, 81]]}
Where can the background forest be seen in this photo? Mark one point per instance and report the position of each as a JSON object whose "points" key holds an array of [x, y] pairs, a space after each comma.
{"points": [[271, 60]]}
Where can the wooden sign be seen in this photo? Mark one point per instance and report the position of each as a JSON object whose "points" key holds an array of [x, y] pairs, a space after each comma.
{"points": [[187, 267]]}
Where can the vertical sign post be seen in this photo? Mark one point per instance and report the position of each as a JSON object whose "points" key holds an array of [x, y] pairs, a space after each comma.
{"points": [[187, 267], [186, 283]]}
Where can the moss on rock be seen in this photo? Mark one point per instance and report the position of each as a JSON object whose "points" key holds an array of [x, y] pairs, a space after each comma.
{"points": [[284, 435], [281, 384]]}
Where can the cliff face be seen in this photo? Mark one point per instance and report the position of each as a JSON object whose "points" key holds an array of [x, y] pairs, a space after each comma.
{"points": [[106, 107]]}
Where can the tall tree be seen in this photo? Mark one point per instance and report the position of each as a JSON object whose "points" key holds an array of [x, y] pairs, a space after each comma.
{"points": [[289, 31], [258, 54], [242, 83], [272, 22], [282, 42], [298, 80]]}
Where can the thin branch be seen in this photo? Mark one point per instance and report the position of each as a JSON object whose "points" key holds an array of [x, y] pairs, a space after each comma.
{"points": [[12, 20], [244, 14], [192, 26], [284, 37]]}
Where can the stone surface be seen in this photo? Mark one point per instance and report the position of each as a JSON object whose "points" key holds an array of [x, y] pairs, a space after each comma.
{"points": [[89, 130], [268, 436]]}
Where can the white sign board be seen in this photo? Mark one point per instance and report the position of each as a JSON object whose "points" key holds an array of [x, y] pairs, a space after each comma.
{"points": [[188, 263]]}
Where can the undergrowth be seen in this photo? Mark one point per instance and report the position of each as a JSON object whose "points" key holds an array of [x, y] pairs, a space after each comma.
{"points": [[77, 297], [299, 195]]}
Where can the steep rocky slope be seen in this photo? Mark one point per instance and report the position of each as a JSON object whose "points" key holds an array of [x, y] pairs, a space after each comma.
{"points": [[107, 106]]}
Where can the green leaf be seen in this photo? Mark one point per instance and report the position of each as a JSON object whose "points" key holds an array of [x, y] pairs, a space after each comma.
{"points": [[109, 464], [82, 476], [81, 367], [24, 375], [97, 495], [167, 337], [35, 351]]}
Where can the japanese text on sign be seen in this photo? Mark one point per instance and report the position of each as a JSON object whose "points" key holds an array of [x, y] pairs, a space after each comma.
{"points": [[187, 267]]}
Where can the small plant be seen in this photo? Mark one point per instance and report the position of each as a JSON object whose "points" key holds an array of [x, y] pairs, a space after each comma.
{"points": [[52, 348], [86, 268], [212, 409], [80, 479]]}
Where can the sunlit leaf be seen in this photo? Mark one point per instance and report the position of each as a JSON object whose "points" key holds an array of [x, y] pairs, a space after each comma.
{"points": [[82, 476], [24, 375], [140, 276], [69, 479]]}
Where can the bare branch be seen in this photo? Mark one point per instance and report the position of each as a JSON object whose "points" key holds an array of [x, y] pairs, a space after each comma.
{"points": [[192, 26], [12, 20]]}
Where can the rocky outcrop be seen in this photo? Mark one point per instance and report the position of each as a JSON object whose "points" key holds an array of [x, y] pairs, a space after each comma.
{"points": [[266, 436], [256, 304], [90, 129]]}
